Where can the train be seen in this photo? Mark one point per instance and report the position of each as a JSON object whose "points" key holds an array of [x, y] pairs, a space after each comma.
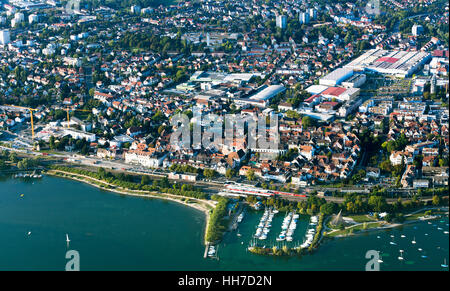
{"points": [[244, 190]]}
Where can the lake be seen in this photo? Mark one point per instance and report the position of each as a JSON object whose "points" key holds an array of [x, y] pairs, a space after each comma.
{"points": [[118, 232]]}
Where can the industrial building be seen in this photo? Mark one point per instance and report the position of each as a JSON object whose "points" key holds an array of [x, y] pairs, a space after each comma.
{"points": [[268, 92], [396, 63], [218, 78], [262, 97], [354, 81], [336, 77]]}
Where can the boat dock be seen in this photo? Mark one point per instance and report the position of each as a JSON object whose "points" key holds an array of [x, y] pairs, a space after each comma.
{"points": [[211, 252], [205, 255], [265, 224], [236, 218]]}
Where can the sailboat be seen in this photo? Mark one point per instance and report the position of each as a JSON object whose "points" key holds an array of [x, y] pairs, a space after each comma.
{"points": [[401, 255], [413, 241], [392, 243], [444, 265], [379, 259], [67, 239]]}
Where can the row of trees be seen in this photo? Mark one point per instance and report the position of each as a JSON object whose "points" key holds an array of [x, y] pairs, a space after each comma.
{"points": [[217, 222], [132, 182]]}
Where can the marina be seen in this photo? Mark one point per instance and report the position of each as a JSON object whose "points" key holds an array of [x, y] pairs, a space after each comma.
{"points": [[265, 224], [310, 232]]}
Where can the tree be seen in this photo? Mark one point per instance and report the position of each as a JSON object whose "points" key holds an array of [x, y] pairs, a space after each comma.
{"points": [[229, 173], [251, 175], [209, 173], [307, 122], [328, 208], [92, 92], [102, 172], [377, 203], [13, 157], [3, 165], [436, 200], [145, 180]]}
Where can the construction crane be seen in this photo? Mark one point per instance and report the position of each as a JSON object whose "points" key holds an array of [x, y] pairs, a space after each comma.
{"points": [[31, 116], [73, 109]]}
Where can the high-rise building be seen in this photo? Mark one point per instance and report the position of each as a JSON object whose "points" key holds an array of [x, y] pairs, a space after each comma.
{"points": [[19, 17], [136, 9], [32, 18], [312, 13], [281, 21], [4, 37], [303, 17], [433, 84], [417, 29]]}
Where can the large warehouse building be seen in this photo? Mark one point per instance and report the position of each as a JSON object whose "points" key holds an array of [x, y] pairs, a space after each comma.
{"points": [[336, 77], [396, 63], [262, 97]]}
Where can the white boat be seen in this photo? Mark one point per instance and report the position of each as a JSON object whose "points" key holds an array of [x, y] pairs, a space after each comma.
{"points": [[413, 241], [401, 255], [67, 238], [29, 233], [419, 249], [446, 232], [240, 217], [444, 265], [392, 243], [402, 235]]}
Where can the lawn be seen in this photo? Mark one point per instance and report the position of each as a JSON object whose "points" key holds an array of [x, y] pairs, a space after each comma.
{"points": [[361, 218], [355, 229]]}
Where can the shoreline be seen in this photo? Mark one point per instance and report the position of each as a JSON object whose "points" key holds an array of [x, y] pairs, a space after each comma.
{"points": [[388, 226], [198, 206]]}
